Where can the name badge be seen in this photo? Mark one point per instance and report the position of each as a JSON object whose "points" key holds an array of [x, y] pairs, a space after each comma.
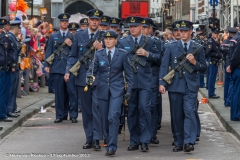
{"points": [[102, 63], [56, 38], [127, 48]]}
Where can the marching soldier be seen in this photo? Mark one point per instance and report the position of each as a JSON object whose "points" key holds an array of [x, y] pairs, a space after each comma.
{"points": [[13, 33], [213, 55], [110, 63], [84, 23], [59, 45], [139, 115], [6, 65], [225, 49], [104, 25], [73, 28], [84, 41], [146, 24], [184, 87], [233, 68]]}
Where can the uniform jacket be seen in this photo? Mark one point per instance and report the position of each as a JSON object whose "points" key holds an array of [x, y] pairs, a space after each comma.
{"points": [[80, 40], [173, 51], [15, 47], [6, 50], [225, 46], [155, 66], [213, 49], [58, 65], [111, 74], [234, 58], [143, 78]]}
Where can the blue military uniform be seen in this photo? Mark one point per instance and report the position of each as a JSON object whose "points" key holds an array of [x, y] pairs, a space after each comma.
{"points": [[90, 109], [234, 62], [225, 49], [12, 105], [213, 55], [65, 92], [139, 115], [110, 64], [183, 91], [6, 63]]}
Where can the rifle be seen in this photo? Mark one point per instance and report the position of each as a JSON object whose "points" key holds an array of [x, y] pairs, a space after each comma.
{"points": [[135, 59], [89, 55], [182, 65], [125, 103], [60, 49]]}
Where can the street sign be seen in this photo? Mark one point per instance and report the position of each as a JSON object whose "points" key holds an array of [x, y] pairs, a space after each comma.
{"points": [[216, 2]]}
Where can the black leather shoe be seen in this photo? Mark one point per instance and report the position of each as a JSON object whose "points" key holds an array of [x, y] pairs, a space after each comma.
{"points": [[17, 111], [74, 120], [154, 141], [105, 141], [65, 118], [110, 152], [188, 147], [58, 120], [177, 149], [1, 128], [120, 129], [6, 120], [144, 147], [214, 97], [96, 145], [133, 148], [87, 145], [13, 115], [79, 110], [159, 126], [197, 139], [173, 143]]}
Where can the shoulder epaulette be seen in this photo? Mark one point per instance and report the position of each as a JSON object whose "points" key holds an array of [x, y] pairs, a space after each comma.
{"points": [[79, 30], [100, 50], [123, 37], [122, 50]]}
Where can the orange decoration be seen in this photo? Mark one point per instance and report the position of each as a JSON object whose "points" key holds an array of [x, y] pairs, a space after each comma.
{"points": [[22, 6], [204, 100]]}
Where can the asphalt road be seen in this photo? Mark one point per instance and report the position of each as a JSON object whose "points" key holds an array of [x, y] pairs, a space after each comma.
{"points": [[40, 138]]}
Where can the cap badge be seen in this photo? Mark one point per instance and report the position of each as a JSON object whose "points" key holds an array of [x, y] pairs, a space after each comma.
{"points": [[183, 24], [73, 25], [96, 13], [177, 25], [104, 19], [132, 20], [114, 21], [144, 21], [108, 34], [64, 16], [2, 21], [85, 21]]}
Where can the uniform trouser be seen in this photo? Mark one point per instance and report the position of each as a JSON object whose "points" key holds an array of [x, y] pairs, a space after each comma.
{"points": [[5, 83], [12, 105], [73, 99], [50, 83], [154, 111], [139, 116], [201, 79], [61, 95], [172, 103], [110, 112], [91, 115], [235, 102], [207, 77], [122, 117], [198, 120], [184, 118], [159, 108], [228, 87], [212, 79]]}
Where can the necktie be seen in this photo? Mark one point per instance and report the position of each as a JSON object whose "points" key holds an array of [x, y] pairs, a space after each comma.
{"points": [[92, 34], [109, 56], [63, 35], [136, 42], [185, 47]]}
